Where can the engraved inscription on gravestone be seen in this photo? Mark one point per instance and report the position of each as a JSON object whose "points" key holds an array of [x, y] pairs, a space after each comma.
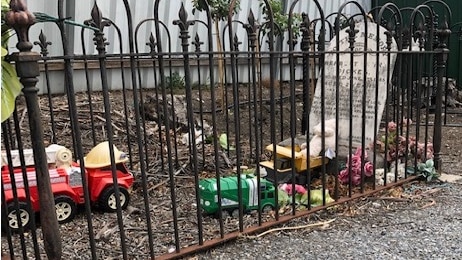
{"points": [[355, 78]]}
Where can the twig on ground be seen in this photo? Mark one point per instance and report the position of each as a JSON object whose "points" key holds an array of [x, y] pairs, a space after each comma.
{"points": [[322, 224], [113, 125], [393, 224], [391, 199], [431, 203], [165, 181]]}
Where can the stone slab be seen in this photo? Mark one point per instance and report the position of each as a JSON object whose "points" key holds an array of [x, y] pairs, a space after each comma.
{"points": [[354, 71]]}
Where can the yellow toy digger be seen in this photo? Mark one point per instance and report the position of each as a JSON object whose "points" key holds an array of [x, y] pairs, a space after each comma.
{"points": [[279, 168]]}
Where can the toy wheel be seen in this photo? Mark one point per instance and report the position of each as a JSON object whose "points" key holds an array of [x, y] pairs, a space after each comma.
{"points": [[235, 213], [225, 214], [107, 200], [25, 216], [65, 209], [267, 208]]}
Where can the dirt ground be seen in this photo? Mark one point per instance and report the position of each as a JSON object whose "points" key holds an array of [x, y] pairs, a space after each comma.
{"points": [[106, 230]]}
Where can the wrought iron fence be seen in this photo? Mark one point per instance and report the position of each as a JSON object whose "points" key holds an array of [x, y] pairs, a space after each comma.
{"points": [[216, 136]]}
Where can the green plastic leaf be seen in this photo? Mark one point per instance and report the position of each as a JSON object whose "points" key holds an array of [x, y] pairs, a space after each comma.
{"points": [[298, 198], [224, 143], [316, 197], [11, 87], [304, 199], [283, 198]]}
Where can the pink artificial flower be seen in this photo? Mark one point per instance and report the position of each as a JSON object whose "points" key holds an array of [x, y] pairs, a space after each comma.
{"points": [[356, 179], [368, 169], [288, 188], [391, 126], [355, 162], [300, 189], [343, 176], [429, 150]]}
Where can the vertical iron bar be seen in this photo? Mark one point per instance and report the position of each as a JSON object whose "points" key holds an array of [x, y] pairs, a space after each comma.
{"points": [[17, 129], [138, 119], [441, 58], [43, 43], [183, 24], [28, 70], [68, 76]]}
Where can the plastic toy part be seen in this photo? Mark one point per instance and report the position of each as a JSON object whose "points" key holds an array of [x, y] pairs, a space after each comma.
{"points": [[100, 157], [63, 158], [25, 216], [29, 156]]}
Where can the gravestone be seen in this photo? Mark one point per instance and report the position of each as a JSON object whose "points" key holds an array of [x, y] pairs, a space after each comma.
{"points": [[352, 73]]}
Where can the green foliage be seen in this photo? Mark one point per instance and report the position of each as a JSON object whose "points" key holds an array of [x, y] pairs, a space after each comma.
{"points": [[11, 87], [219, 9], [175, 81], [425, 169], [281, 19]]}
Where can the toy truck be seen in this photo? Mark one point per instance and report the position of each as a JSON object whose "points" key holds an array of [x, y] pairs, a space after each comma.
{"points": [[279, 167], [66, 183], [229, 195]]}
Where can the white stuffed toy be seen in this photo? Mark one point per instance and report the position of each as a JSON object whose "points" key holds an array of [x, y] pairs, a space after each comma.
{"points": [[316, 141]]}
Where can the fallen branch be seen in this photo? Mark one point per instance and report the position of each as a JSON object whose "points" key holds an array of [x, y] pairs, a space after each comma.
{"points": [[323, 224]]}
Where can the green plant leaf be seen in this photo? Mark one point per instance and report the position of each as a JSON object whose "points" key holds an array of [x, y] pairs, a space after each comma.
{"points": [[429, 163], [410, 170], [11, 87]]}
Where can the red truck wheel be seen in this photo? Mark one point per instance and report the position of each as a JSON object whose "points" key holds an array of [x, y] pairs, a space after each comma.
{"points": [[66, 209], [107, 200], [25, 216]]}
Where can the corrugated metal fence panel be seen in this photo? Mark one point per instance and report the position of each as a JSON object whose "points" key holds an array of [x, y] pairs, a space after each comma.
{"points": [[80, 11]]}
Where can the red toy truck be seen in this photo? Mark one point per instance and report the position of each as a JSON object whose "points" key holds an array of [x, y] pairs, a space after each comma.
{"points": [[66, 183]]}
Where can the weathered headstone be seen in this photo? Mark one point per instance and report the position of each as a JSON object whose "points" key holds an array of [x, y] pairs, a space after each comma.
{"points": [[354, 77]]}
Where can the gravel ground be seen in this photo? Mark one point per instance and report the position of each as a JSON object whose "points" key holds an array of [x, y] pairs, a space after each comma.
{"points": [[426, 226]]}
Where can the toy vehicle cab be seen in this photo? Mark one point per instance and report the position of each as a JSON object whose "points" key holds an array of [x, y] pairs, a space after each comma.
{"points": [[66, 183]]}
